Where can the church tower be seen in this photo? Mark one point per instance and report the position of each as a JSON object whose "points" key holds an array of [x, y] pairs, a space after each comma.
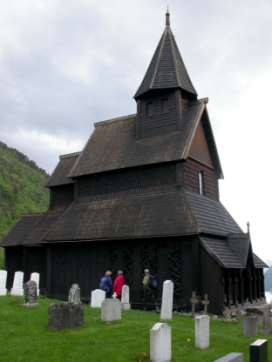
{"points": [[165, 90]]}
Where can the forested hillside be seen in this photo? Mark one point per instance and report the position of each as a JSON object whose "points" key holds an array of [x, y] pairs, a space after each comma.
{"points": [[21, 188]]}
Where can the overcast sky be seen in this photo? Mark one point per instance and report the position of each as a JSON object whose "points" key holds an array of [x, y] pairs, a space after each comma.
{"points": [[67, 63]]}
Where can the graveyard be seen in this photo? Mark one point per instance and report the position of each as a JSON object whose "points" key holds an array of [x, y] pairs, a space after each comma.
{"points": [[24, 336]]}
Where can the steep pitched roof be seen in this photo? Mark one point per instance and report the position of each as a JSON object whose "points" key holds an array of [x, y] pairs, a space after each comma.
{"points": [[211, 216], [21, 229], [59, 175], [259, 264], [113, 144], [166, 69], [221, 252]]}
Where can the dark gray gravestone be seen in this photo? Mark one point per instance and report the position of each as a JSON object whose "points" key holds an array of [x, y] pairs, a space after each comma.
{"points": [[258, 351], [30, 293], [232, 357], [65, 315]]}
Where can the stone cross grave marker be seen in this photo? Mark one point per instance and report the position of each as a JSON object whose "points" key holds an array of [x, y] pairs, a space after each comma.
{"points": [[167, 300], [30, 292], [160, 343], [3, 282], [232, 357], [36, 277], [194, 301], [111, 310], [18, 281], [202, 331], [125, 298], [258, 351], [74, 294], [205, 302], [97, 297]]}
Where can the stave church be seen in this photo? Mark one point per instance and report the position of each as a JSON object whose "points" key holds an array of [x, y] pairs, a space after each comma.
{"points": [[143, 193]]}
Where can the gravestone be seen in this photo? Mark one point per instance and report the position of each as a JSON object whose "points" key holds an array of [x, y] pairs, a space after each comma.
{"points": [[97, 297], [266, 320], [194, 301], [250, 325], [3, 282], [36, 277], [258, 351], [202, 331], [160, 343], [65, 316], [232, 357], [111, 310], [205, 302], [167, 300], [74, 294], [18, 281], [30, 292], [125, 298]]}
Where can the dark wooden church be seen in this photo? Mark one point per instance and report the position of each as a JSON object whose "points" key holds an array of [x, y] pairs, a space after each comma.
{"points": [[143, 193]]}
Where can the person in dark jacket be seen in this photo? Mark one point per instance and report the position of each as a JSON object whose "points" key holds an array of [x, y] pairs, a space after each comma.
{"points": [[118, 284], [106, 283]]}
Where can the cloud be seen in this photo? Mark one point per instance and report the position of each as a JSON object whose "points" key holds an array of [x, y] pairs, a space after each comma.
{"points": [[66, 64]]}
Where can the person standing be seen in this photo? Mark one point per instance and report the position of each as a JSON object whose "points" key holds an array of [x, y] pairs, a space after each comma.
{"points": [[118, 284], [150, 289], [106, 283]]}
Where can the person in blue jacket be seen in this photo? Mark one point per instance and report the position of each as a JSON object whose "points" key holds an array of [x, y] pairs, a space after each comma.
{"points": [[106, 283]]}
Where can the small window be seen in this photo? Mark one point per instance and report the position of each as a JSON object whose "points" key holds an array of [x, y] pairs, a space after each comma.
{"points": [[201, 182], [149, 109], [164, 105]]}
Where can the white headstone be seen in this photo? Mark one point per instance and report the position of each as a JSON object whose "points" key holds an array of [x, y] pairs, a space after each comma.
{"points": [[18, 282], [97, 297], [160, 343], [232, 357], [167, 300], [202, 331], [3, 282], [125, 298], [111, 310], [36, 278]]}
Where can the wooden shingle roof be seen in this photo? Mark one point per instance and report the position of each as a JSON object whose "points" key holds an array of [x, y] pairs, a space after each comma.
{"points": [[166, 69], [59, 176], [113, 144]]}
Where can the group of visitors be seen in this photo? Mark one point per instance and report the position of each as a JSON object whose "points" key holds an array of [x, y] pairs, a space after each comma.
{"points": [[113, 288]]}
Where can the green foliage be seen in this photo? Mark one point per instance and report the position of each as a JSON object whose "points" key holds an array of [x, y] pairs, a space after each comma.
{"points": [[21, 188], [24, 337]]}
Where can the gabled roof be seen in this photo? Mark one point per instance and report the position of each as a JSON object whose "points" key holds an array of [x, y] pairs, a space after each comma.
{"points": [[59, 176], [166, 69], [259, 264], [113, 144]]}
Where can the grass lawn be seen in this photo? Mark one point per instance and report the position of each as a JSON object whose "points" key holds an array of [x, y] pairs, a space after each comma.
{"points": [[24, 337]]}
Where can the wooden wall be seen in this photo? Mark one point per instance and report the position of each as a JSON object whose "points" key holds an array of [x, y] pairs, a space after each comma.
{"points": [[61, 196]]}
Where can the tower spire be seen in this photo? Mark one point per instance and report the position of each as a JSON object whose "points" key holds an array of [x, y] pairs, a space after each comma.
{"points": [[167, 17]]}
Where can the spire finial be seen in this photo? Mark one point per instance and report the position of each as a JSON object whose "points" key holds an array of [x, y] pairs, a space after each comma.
{"points": [[167, 17], [248, 228]]}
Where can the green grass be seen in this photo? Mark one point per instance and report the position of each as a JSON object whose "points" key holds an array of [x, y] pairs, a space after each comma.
{"points": [[24, 336]]}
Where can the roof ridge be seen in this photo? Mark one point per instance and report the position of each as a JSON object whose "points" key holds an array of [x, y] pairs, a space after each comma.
{"points": [[67, 155], [115, 119]]}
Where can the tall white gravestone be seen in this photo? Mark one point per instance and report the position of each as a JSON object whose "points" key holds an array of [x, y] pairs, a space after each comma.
{"points": [[160, 343], [111, 310], [167, 300], [18, 284], [125, 298], [97, 297], [3, 282], [36, 278], [202, 331]]}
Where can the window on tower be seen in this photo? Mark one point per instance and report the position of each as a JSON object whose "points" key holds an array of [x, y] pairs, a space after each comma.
{"points": [[164, 105], [149, 109], [201, 182]]}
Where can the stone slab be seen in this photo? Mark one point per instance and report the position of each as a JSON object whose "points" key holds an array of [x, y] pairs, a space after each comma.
{"points": [[250, 325], [18, 281], [167, 300], [3, 282], [160, 343], [97, 297], [202, 331], [232, 357], [111, 310], [65, 316], [258, 351], [36, 278]]}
